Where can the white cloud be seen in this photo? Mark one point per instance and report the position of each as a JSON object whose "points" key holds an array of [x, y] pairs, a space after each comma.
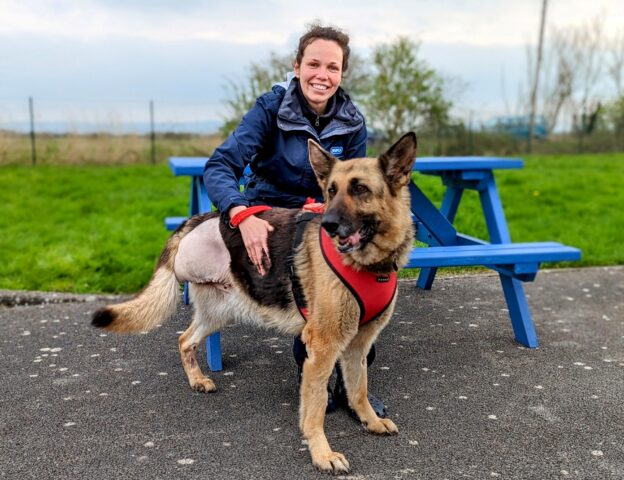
{"points": [[487, 22]]}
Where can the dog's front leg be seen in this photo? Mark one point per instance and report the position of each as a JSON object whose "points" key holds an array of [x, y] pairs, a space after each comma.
{"points": [[355, 375], [317, 368]]}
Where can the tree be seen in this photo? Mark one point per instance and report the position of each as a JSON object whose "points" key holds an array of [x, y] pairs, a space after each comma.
{"points": [[615, 110], [259, 79], [571, 76], [616, 63], [404, 92], [615, 116], [558, 79]]}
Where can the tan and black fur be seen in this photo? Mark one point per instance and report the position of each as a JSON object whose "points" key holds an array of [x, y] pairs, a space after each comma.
{"points": [[368, 216]]}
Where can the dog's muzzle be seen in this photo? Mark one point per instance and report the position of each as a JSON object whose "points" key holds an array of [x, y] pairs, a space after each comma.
{"points": [[350, 237]]}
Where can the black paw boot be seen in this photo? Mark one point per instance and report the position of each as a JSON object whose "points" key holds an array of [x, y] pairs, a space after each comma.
{"points": [[300, 354]]}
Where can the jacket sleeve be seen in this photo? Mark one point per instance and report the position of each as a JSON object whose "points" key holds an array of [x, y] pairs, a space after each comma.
{"points": [[357, 146], [225, 167]]}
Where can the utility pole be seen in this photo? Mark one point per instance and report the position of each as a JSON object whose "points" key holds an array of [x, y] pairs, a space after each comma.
{"points": [[538, 66]]}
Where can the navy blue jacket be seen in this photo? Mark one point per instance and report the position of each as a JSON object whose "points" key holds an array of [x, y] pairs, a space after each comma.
{"points": [[272, 140]]}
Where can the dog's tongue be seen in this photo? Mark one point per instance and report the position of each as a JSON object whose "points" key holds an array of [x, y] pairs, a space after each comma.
{"points": [[351, 240]]}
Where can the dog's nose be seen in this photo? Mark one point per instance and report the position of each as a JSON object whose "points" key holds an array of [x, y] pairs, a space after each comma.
{"points": [[330, 226], [330, 222]]}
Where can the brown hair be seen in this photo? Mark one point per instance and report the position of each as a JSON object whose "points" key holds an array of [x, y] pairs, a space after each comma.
{"points": [[315, 32]]}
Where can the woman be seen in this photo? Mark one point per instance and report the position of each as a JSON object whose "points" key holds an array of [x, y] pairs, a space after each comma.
{"points": [[272, 139]]}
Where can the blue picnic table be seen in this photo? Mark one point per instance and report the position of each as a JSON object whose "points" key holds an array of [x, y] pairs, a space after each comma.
{"points": [[515, 262]]}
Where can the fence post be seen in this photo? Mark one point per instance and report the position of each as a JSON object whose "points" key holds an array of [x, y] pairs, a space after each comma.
{"points": [[32, 131], [470, 139], [152, 133]]}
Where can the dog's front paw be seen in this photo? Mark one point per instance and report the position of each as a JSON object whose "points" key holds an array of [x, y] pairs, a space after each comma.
{"points": [[203, 385], [383, 426], [333, 462]]}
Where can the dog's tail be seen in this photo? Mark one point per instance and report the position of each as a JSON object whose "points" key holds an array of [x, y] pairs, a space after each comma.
{"points": [[154, 305]]}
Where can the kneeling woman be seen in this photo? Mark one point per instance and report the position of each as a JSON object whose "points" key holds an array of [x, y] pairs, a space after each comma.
{"points": [[272, 140]]}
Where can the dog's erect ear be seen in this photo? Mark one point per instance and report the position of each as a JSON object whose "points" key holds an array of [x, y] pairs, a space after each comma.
{"points": [[397, 162], [322, 162]]}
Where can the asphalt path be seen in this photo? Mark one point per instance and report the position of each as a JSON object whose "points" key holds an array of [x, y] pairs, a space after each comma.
{"points": [[469, 401]]}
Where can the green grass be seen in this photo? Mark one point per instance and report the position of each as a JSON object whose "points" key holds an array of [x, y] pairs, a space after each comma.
{"points": [[84, 229], [100, 229]]}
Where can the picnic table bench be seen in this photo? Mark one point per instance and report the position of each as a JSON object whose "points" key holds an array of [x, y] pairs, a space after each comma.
{"points": [[515, 262]]}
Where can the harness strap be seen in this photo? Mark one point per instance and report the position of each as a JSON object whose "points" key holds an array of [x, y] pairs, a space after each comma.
{"points": [[301, 221]]}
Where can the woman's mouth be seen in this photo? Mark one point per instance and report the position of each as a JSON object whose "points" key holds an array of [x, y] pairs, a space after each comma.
{"points": [[319, 87]]}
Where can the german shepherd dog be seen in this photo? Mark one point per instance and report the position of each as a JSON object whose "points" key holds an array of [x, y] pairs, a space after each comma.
{"points": [[368, 218]]}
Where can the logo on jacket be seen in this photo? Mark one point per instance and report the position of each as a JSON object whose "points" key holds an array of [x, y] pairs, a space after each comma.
{"points": [[335, 150]]}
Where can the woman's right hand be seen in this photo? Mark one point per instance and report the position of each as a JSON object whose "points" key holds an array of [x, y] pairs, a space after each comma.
{"points": [[255, 233]]}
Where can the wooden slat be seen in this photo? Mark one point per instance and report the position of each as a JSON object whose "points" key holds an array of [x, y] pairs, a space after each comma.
{"points": [[505, 254], [194, 166], [441, 164], [190, 166], [171, 223]]}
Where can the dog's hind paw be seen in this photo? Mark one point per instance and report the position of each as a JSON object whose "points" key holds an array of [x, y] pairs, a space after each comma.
{"points": [[204, 385], [384, 426], [333, 462]]}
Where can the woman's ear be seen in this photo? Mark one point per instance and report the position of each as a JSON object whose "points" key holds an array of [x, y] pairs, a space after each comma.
{"points": [[296, 68]]}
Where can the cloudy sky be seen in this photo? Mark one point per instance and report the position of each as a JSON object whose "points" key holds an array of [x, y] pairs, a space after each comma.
{"points": [[103, 60]]}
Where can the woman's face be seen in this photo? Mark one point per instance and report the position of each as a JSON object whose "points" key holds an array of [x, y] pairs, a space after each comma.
{"points": [[320, 72]]}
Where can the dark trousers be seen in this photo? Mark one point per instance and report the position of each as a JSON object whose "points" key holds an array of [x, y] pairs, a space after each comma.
{"points": [[300, 354]]}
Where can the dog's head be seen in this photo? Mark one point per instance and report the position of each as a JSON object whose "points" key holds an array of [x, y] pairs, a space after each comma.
{"points": [[366, 198]]}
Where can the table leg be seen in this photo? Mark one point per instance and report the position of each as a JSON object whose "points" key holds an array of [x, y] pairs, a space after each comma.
{"points": [[450, 203], [519, 312], [213, 352], [521, 321], [494, 214]]}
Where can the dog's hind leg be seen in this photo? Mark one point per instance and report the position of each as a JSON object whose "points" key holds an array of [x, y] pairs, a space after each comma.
{"points": [[355, 375], [207, 319]]}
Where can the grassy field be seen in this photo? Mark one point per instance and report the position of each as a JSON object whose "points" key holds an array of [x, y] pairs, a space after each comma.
{"points": [[100, 228], [102, 149], [84, 229]]}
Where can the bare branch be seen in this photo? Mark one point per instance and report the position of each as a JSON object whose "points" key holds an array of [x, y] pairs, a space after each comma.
{"points": [[615, 66]]}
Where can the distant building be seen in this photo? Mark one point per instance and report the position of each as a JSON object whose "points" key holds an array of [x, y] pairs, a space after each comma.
{"points": [[517, 126]]}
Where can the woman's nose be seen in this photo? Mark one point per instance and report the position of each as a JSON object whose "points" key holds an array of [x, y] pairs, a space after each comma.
{"points": [[322, 72]]}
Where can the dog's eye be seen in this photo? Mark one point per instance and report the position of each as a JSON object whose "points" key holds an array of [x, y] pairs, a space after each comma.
{"points": [[360, 189], [331, 191]]}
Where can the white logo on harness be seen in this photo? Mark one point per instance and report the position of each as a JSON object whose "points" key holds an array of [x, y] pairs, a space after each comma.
{"points": [[335, 150]]}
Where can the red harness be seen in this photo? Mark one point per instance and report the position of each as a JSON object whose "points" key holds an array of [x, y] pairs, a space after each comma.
{"points": [[373, 291]]}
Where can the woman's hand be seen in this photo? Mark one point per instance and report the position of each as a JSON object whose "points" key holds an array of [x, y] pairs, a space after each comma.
{"points": [[255, 233]]}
